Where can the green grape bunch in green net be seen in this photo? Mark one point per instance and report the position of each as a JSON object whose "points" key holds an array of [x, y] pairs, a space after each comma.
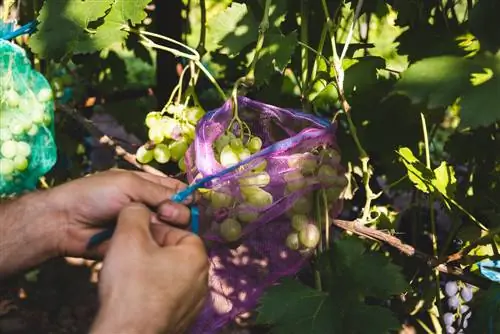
{"points": [[27, 146]]}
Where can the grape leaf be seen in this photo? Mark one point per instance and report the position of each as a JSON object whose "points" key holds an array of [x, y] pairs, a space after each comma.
{"points": [[274, 55], [436, 81], [483, 23], [486, 315], [68, 27], [232, 30], [295, 308]]}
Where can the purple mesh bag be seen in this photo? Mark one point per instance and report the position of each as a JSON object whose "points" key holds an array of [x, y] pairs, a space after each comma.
{"points": [[299, 155]]}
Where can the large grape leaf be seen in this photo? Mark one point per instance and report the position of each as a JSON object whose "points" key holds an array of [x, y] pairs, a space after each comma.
{"points": [[437, 81], [231, 30], [275, 55], [68, 27]]}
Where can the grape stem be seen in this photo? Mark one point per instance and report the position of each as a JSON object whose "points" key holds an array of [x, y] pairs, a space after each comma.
{"points": [[105, 140]]}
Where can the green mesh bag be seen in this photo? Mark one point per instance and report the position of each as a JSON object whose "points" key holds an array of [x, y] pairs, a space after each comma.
{"points": [[27, 146]]}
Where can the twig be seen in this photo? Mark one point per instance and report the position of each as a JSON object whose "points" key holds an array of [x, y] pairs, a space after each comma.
{"points": [[481, 241], [203, 30], [105, 140], [358, 228]]}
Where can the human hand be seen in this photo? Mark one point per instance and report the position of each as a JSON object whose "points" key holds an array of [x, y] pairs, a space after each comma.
{"points": [[154, 277], [85, 206]]}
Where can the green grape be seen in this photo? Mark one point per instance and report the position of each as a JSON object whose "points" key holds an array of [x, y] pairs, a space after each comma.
{"points": [[194, 114], [306, 163], [143, 155], [261, 166], [182, 164], [228, 157], [333, 194], [292, 241], [47, 119], [221, 142], [161, 153], [188, 130], [169, 126], [20, 163], [153, 119], [294, 181], [244, 154], [178, 149], [327, 174], [341, 181], [33, 130], [254, 144], [261, 179], [37, 113], [5, 134], [23, 149], [175, 109], [44, 95], [247, 216], [302, 205], [331, 155], [155, 134], [299, 222], [9, 149], [221, 200], [11, 98], [257, 197], [6, 167], [16, 128], [309, 236], [236, 145], [230, 229]]}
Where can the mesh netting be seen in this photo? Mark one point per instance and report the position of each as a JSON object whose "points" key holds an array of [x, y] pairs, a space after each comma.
{"points": [[299, 156], [27, 147]]}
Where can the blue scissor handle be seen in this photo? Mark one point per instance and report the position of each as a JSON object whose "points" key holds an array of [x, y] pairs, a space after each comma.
{"points": [[28, 28]]}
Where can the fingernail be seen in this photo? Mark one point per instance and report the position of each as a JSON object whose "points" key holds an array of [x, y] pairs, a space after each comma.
{"points": [[168, 212]]}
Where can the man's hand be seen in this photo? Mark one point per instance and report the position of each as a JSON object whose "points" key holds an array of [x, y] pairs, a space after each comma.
{"points": [[87, 204], [154, 277]]}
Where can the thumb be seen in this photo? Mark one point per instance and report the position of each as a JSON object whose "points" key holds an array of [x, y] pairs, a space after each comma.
{"points": [[133, 225]]}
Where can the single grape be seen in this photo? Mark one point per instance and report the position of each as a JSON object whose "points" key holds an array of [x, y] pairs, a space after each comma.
{"points": [[466, 294], [247, 216], [294, 181], [254, 144], [299, 222], [327, 174], [292, 241], [257, 197], [453, 302], [175, 109], [228, 157], [9, 149], [450, 330], [236, 145], [255, 179], [178, 149], [16, 128], [309, 236], [182, 164], [44, 95], [333, 194], [465, 324], [143, 155], [221, 200], [6, 167], [20, 163], [306, 163], [261, 166], [188, 130], [155, 134], [37, 113], [194, 114], [230, 229], [23, 149], [33, 130], [244, 154], [302, 205], [451, 288], [47, 119], [11, 98], [170, 127], [153, 119], [449, 319], [221, 142], [463, 309], [5, 134], [330, 154], [341, 181], [161, 153]]}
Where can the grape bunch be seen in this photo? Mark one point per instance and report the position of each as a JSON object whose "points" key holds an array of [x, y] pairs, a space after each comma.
{"points": [[26, 104], [170, 136], [458, 312]]}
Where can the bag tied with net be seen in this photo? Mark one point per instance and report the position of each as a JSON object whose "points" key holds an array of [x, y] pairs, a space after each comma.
{"points": [[27, 146], [258, 214]]}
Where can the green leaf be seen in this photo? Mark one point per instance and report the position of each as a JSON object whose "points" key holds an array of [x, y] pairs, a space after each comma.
{"points": [[436, 81], [486, 314], [76, 27], [295, 308], [369, 319], [445, 181], [363, 74], [232, 30], [274, 55]]}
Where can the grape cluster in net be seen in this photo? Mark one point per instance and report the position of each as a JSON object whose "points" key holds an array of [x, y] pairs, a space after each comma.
{"points": [[169, 136], [458, 295], [27, 147]]}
